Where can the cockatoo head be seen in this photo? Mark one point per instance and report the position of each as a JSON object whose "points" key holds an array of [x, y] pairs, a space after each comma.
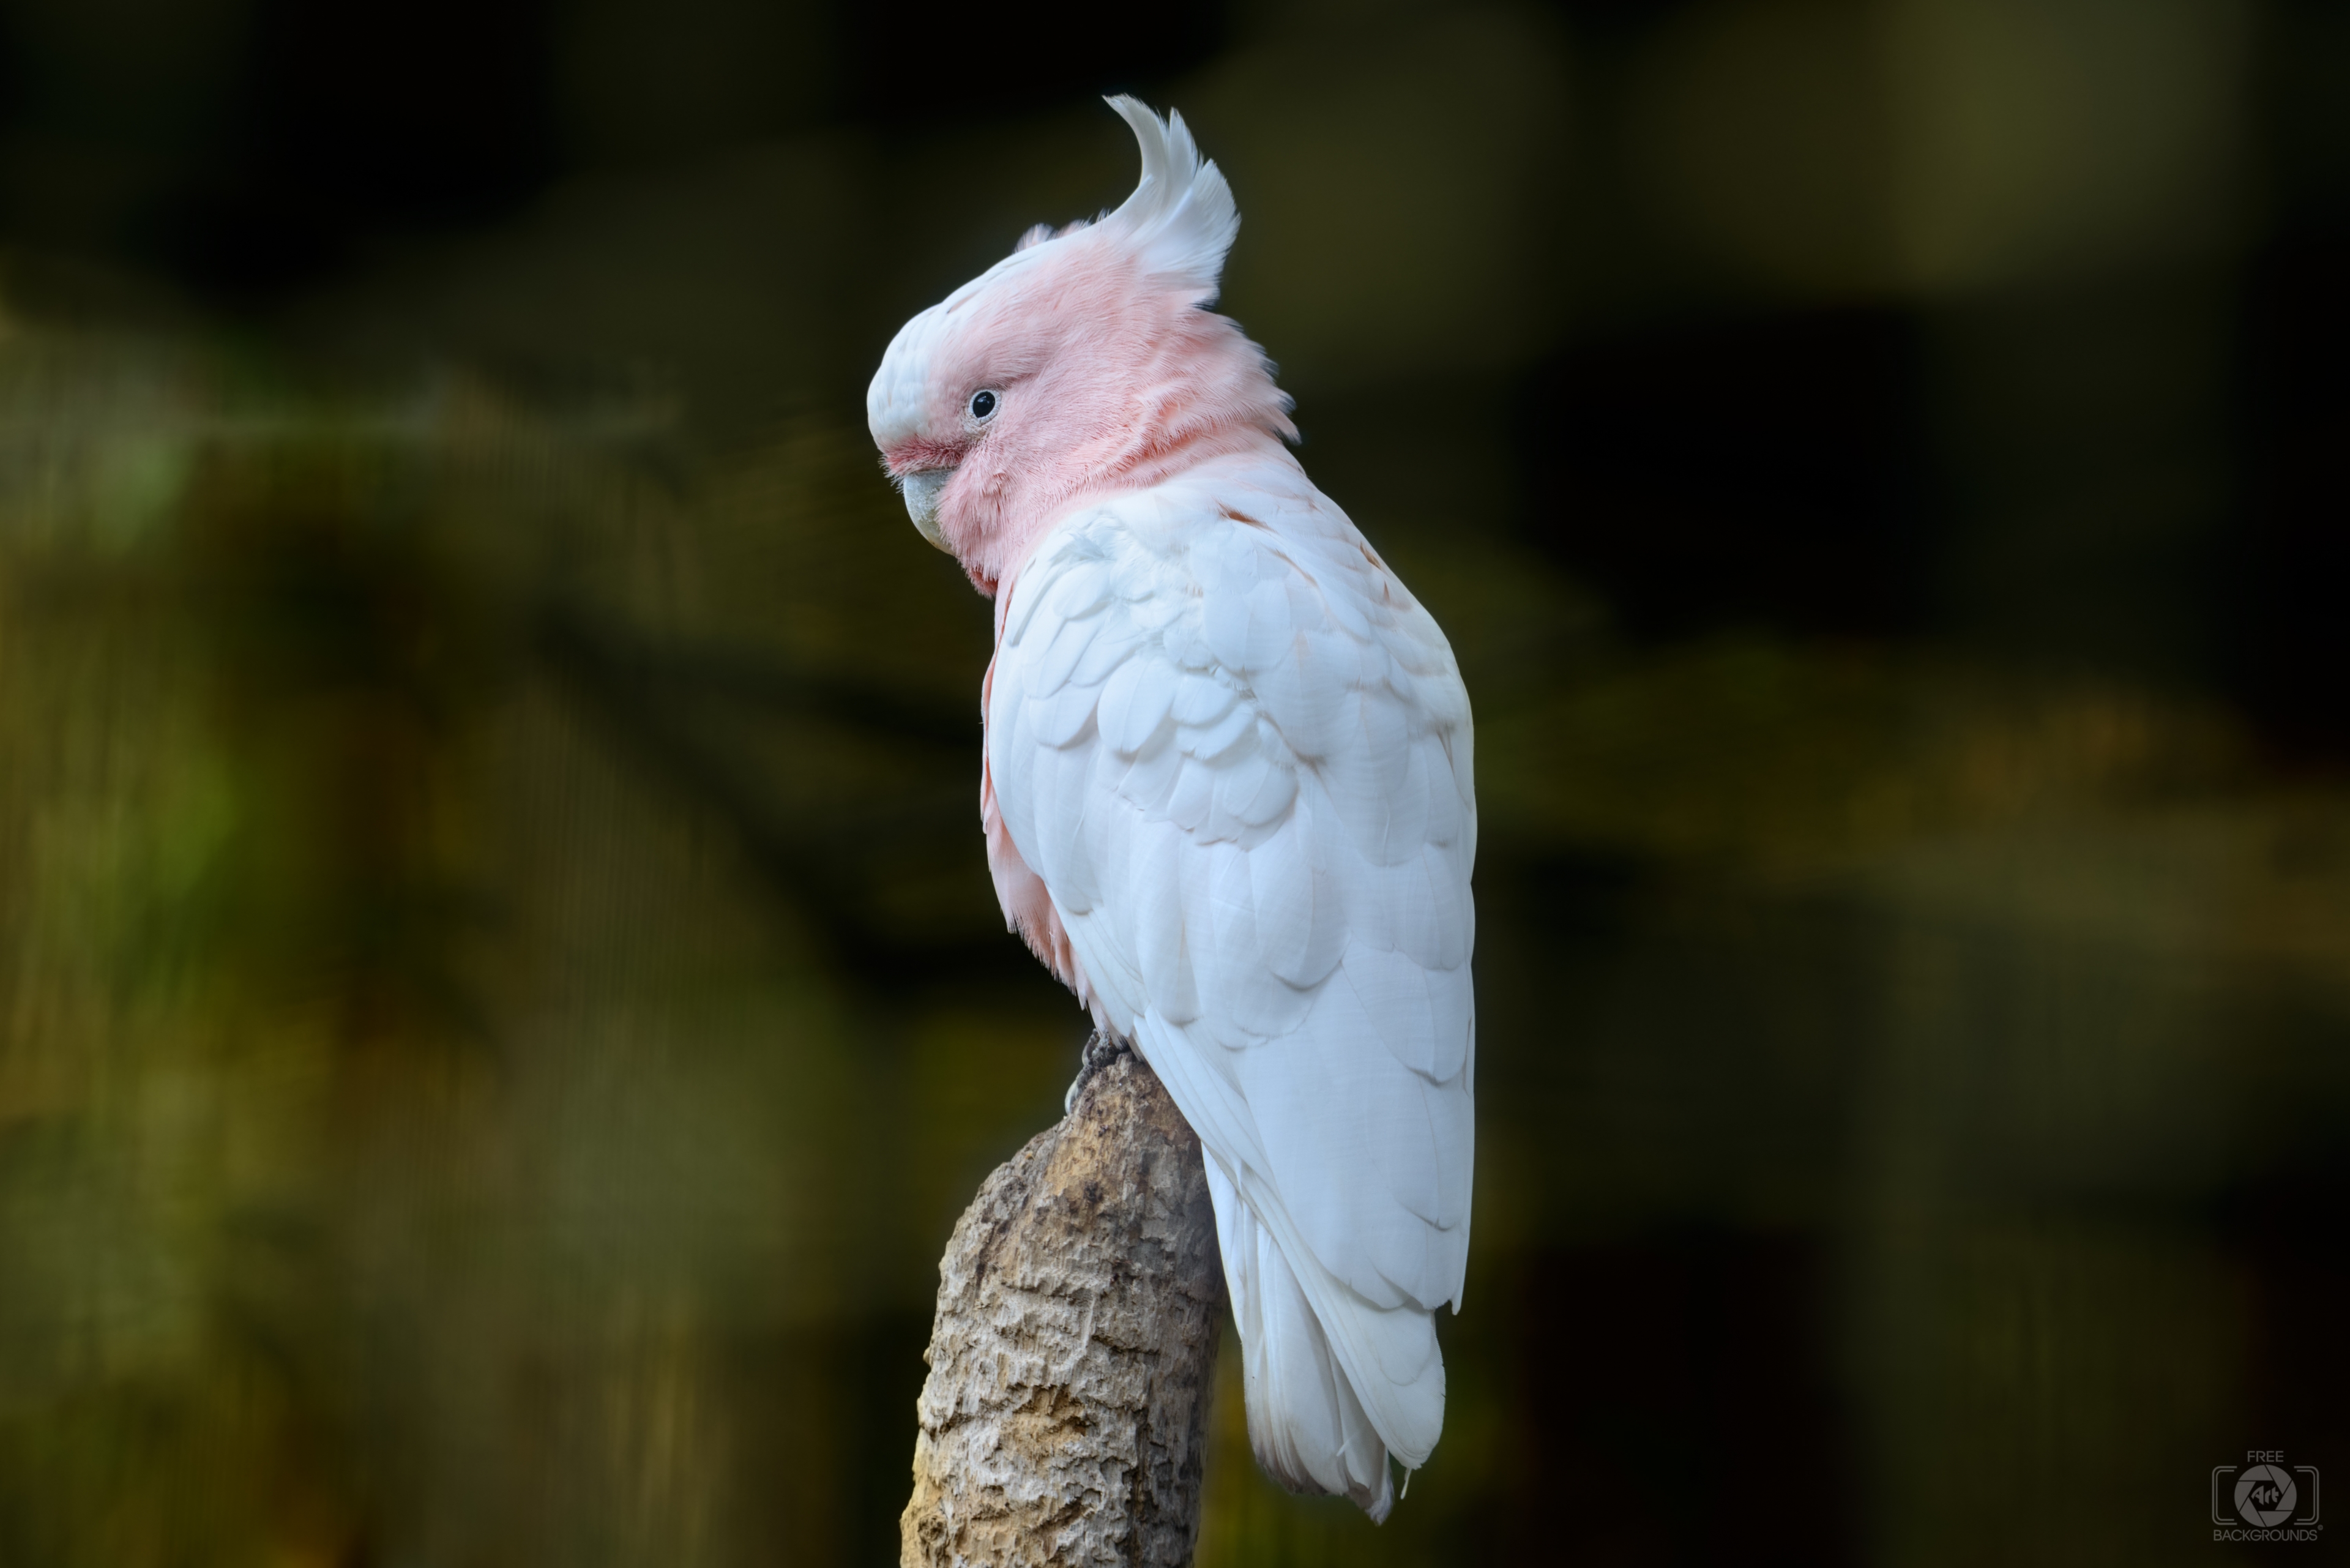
{"points": [[1083, 362]]}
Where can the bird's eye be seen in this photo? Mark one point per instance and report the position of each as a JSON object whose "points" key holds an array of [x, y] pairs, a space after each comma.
{"points": [[982, 405]]}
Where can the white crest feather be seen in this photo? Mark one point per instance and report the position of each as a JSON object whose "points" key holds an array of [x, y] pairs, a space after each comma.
{"points": [[1181, 218], [1179, 221]]}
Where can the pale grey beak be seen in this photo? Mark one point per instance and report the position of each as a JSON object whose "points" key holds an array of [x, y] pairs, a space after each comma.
{"points": [[921, 489]]}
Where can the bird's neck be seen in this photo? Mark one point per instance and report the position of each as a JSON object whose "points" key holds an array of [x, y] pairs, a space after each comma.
{"points": [[1198, 393], [1029, 519]]}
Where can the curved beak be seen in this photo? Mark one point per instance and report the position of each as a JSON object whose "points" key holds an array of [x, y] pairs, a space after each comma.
{"points": [[921, 488]]}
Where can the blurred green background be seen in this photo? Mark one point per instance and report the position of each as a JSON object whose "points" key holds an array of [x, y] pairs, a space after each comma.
{"points": [[500, 997]]}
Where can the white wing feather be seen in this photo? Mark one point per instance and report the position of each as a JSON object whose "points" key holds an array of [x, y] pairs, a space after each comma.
{"points": [[1238, 755]]}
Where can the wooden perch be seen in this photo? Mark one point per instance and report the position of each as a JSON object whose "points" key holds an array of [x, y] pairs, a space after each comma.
{"points": [[1080, 1301]]}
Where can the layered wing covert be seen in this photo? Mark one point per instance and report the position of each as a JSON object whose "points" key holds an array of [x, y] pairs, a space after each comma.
{"points": [[1238, 755]]}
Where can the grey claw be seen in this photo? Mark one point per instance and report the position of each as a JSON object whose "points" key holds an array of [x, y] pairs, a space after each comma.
{"points": [[1100, 1051]]}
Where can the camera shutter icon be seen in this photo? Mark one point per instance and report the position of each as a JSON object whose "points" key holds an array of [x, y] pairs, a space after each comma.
{"points": [[2266, 1496]]}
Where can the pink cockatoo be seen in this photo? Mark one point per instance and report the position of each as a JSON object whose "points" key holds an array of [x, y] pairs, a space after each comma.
{"points": [[1226, 786]]}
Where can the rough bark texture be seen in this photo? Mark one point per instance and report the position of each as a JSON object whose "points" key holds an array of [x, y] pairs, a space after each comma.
{"points": [[1080, 1301]]}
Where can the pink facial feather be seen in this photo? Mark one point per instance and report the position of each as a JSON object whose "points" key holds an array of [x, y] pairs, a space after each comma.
{"points": [[1112, 378]]}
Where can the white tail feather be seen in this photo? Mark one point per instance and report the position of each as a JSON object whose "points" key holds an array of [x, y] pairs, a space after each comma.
{"points": [[1309, 1430]]}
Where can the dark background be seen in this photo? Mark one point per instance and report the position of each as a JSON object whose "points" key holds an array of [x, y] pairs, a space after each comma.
{"points": [[502, 997]]}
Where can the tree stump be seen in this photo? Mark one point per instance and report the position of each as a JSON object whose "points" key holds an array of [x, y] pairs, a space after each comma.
{"points": [[1080, 1301]]}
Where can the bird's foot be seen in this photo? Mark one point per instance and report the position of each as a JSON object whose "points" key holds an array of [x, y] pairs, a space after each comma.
{"points": [[1100, 1051]]}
